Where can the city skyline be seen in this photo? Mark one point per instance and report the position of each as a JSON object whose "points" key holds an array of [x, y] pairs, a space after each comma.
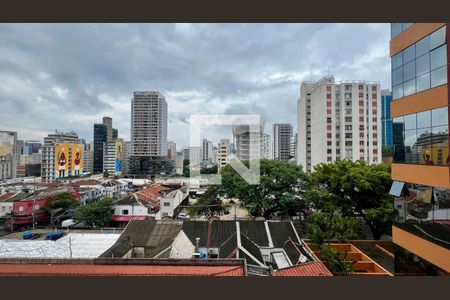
{"points": [[48, 80]]}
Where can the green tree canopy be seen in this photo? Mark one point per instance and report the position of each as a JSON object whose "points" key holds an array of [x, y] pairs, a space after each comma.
{"points": [[96, 214], [208, 204], [357, 187], [282, 188], [63, 200], [324, 227]]}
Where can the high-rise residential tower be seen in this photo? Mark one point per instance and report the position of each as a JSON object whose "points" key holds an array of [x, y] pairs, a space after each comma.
{"points": [[338, 120], [171, 150], [282, 134], [420, 169], [149, 134], [148, 124], [266, 146], [207, 149], [223, 151]]}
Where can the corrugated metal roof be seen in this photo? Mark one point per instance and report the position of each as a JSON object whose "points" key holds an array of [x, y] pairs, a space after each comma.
{"points": [[255, 231], [73, 245], [281, 232]]}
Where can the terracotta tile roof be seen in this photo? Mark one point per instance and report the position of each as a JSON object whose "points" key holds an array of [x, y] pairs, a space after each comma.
{"points": [[308, 269], [116, 270], [6, 196], [151, 194]]}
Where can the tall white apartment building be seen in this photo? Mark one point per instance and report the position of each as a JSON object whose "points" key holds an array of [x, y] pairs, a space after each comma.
{"points": [[207, 151], [293, 150], [148, 124], [171, 150], [223, 151], [248, 142], [109, 158], [89, 158], [48, 172], [266, 146], [282, 134], [338, 120]]}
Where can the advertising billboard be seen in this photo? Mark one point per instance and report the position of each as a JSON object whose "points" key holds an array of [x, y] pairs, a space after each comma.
{"points": [[77, 159], [62, 160], [119, 155]]}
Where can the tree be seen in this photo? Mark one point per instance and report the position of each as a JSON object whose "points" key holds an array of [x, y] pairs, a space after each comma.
{"points": [[208, 204], [387, 151], [324, 227], [64, 200], [106, 174], [96, 214], [209, 170], [282, 188], [336, 262], [358, 188], [186, 171]]}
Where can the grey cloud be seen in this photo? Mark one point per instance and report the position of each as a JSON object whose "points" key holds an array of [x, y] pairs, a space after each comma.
{"points": [[201, 68]]}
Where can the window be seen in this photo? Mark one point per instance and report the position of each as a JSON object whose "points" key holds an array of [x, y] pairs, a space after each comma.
{"points": [[421, 66], [437, 38], [348, 135], [348, 127], [422, 138], [124, 211], [439, 76], [166, 203], [348, 119]]}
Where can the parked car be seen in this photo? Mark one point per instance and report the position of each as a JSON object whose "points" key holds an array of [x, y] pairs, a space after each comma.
{"points": [[68, 223], [183, 216]]}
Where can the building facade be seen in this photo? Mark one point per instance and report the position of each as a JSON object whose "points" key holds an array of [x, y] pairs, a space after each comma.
{"points": [[89, 157], [386, 121], [338, 120], [149, 135], [55, 143], [148, 124], [282, 134], [293, 148], [420, 168], [171, 150], [248, 142], [223, 152], [103, 132], [207, 149], [266, 146]]}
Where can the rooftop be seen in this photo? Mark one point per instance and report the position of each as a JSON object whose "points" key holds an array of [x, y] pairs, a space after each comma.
{"points": [[73, 245], [315, 268], [124, 267], [151, 194]]}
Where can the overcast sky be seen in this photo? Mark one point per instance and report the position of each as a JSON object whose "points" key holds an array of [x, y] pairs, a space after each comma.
{"points": [[68, 76]]}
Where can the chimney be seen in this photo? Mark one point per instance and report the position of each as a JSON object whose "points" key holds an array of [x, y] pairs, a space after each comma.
{"points": [[197, 244]]}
